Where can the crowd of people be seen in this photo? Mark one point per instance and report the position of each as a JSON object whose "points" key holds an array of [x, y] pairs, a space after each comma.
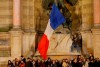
{"points": [[78, 61]]}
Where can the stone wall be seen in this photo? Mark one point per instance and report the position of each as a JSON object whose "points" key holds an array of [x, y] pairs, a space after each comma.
{"points": [[34, 19], [5, 15], [87, 14], [40, 16], [28, 44], [5, 47], [27, 15], [87, 24]]}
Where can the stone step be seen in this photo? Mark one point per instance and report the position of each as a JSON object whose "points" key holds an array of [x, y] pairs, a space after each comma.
{"points": [[60, 56], [3, 64]]}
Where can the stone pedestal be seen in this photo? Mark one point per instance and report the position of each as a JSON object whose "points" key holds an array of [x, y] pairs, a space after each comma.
{"points": [[87, 46], [16, 32], [96, 41], [60, 47], [28, 44], [16, 43]]}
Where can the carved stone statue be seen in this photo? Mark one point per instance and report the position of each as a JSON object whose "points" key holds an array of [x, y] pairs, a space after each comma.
{"points": [[67, 7], [76, 42]]}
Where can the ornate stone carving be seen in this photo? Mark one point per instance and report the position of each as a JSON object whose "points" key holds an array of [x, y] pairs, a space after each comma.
{"points": [[5, 15], [70, 9]]}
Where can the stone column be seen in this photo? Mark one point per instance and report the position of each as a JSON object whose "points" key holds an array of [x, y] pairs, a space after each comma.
{"points": [[96, 12], [96, 29], [16, 44], [16, 14], [16, 32], [87, 14], [87, 23]]}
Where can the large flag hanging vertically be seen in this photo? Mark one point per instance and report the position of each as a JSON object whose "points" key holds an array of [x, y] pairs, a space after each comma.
{"points": [[56, 19]]}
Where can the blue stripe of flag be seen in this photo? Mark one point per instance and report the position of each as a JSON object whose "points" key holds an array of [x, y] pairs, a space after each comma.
{"points": [[56, 18]]}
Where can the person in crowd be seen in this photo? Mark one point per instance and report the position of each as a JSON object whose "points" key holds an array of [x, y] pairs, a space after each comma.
{"points": [[23, 58], [64, 64], [43, 63], [85, 62], [79, 58], [48, 62], [70, 63], [39, 63], [74, 63], [16, 62], [60, 63], [91, 57], [97, 62], [53, 64], [91, 63], [10, 64], [57, 62], [33, 62], [29, 63], [22, 64], [36, 61], [78, 61]]}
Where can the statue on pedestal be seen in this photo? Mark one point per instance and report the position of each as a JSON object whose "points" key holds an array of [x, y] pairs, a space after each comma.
{"points": [[72, 20]]}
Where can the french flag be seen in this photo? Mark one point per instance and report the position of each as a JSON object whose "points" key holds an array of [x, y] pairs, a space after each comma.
{"points": [[56, 19]]}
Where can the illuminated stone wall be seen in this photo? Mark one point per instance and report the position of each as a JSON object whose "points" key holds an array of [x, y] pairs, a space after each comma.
{"points": [[87, 14], [27, 15], [5, 15]]}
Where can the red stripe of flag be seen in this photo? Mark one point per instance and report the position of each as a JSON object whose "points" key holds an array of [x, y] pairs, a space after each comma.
{"points": [[43, 46]]}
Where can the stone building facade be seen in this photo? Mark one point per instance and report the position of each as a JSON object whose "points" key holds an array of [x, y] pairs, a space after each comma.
{"points": [[22, 22]]}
